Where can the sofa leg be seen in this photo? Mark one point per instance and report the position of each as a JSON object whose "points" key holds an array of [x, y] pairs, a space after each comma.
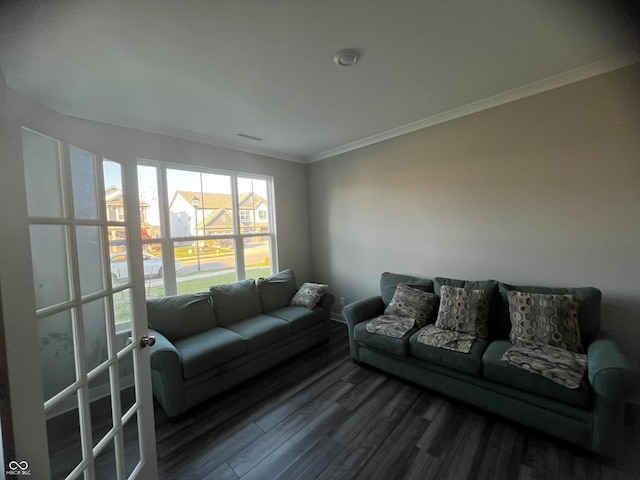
{"points": [[356, 362]]}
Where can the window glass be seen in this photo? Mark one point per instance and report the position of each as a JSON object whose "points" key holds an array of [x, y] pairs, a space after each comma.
{"points": [[257, 257], [253, 205]]}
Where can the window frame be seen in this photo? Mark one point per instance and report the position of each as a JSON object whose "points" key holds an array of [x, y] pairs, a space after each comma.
{"points": [[167, 241]]}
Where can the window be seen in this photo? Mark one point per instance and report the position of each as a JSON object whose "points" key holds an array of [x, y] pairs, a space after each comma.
{"points": [[201, 228]]}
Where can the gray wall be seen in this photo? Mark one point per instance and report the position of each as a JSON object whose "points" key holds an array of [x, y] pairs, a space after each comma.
{"points": [[544, 190]]}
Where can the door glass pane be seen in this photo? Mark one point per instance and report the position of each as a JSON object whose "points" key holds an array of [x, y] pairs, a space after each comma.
{"points": [[95, 333], [100, 406], [148, 201], [252, 205], [121, 307], [131, 445], [42, 170], [56, 353], [119, 265], [105, 462], [152, 265], [63, 433], [127, 387], [113, 193], [83, 180], [90, 259], [257, 257], [50, 266]]}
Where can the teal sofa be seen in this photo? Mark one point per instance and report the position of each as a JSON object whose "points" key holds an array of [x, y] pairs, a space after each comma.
{"points": [[208, 342], [592, 416]]}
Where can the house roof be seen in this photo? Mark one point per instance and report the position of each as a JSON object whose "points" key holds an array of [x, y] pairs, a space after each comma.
{"points": [[214, 201]]}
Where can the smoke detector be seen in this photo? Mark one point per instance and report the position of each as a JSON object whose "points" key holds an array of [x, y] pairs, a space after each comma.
{"points": [[346, 57]]}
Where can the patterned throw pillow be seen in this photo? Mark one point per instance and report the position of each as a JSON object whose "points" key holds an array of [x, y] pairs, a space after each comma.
{"points": [[308, 295], [544, 318], [464, 311], [411, 303]]}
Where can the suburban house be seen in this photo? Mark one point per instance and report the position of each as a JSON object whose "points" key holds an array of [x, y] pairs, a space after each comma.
{"points": [[476, 140], [213, 213]]}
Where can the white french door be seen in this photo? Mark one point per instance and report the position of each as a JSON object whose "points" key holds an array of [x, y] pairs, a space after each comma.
{"points": [[95, 369]]}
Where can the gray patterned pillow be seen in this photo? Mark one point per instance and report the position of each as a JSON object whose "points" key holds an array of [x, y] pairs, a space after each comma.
{"points": [[308, 295], [411, 303], [544, 318], [464, 311]]}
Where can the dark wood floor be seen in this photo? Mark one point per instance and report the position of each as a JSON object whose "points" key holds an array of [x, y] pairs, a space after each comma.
{"points": [[319, 416]]}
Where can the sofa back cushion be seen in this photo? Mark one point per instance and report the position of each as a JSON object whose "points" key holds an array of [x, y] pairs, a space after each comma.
{"points": [[589, 299], [179, 316], [389, 281], [235, 301], [277, 290]]}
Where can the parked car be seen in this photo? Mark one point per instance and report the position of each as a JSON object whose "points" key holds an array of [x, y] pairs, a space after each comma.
{"points": [[152, 266]]}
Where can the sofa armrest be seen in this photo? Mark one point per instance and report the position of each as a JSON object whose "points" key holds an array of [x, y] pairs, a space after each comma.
{"points": [[166, 374], [614, 379], [612, 375], [357, 312], [164, 354], [326, 302], [362, 310]]}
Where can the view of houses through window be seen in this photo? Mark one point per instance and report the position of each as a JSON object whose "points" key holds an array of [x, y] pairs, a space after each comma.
{"points": [[203, 228]]}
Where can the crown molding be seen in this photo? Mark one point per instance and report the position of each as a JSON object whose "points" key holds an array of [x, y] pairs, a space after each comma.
{"points": [[556, 81]]}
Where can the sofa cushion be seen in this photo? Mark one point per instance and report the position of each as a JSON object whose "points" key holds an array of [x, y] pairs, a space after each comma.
{"points": [[389, 281], [588, 306], [546, 319], [499, 371], [276, 291], [299, 318], [397, 346], [469, 363], [464, 311], [409, 302], [206, 350], [179, 316], [309, 295], [260, 330], [235, 301]]}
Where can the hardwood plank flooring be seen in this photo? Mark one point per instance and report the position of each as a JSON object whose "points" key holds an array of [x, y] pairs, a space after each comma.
{"points": [[319, 416]]}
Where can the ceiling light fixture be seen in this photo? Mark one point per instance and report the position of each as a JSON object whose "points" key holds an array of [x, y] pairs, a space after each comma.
{"points": [[346, 57]]}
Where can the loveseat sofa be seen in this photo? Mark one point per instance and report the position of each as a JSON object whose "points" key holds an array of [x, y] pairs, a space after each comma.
{"points": [[591, 416], [208, 342]]}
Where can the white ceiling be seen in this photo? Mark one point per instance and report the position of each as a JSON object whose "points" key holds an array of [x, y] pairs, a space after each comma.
{"points": [[208, 70]]}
